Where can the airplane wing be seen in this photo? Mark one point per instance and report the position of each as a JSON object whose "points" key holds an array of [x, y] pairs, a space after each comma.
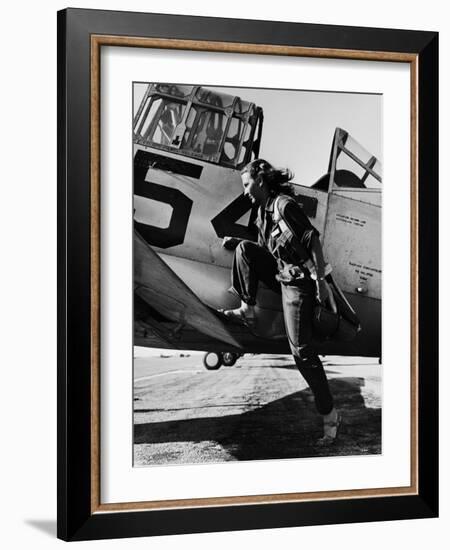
{"points": [[155, 331], [170, 305]]}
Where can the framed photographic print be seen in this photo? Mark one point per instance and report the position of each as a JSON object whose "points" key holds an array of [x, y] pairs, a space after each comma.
{"points": [[247, 274]]}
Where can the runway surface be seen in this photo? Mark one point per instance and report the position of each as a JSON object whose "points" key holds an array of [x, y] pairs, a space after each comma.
{"points": [[261, 408]]}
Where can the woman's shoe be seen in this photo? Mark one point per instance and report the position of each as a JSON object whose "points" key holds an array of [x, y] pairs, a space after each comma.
{"points": [[239, 316], [331, 426]]}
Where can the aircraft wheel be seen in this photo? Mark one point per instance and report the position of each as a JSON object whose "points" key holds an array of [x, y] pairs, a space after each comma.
{"points": [[212, 360], [229, 358]]}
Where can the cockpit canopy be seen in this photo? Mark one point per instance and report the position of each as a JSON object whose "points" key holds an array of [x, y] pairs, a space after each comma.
{"points": [[351, 166], [200, 123]]}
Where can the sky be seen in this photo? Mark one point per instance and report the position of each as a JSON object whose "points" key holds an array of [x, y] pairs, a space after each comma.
{"points": [[299, 125]]}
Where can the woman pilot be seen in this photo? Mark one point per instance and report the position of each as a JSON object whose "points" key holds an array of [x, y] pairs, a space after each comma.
{"points": [[288, 252]]}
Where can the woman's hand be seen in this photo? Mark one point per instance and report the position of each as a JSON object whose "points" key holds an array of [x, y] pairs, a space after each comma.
{"points": [[230, 243], [321, 291]]}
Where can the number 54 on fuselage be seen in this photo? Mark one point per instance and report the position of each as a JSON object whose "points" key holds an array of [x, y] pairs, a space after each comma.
{"points": [[190, 144]]}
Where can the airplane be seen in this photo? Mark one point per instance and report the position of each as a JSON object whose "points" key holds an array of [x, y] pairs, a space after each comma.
{"points": [[190, 144]]}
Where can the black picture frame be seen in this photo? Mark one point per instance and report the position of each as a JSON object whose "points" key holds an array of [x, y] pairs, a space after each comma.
{"points": [[78, 516]]}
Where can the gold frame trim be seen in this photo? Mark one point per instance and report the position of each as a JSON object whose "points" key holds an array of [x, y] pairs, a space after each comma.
{"points": [[97, 41]]}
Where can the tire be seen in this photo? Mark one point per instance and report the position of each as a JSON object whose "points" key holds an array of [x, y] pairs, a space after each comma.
{"points": [[212, 360], [229, 358]]}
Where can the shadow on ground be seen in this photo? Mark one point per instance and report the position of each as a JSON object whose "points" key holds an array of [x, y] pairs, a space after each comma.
{"points": [[285, 428]]}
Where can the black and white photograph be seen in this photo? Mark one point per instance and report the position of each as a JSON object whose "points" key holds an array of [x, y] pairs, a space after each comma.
{"points": [[257, 273]]}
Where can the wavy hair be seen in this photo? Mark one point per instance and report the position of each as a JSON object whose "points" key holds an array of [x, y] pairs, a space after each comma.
{"points": [[277, 180]]}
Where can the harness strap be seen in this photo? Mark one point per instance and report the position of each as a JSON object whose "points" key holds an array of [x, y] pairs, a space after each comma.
{"points": [[287, 236]]}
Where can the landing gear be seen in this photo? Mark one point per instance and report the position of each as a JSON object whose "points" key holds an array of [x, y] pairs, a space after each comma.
{"points": [[229, 358], [212, 360]]}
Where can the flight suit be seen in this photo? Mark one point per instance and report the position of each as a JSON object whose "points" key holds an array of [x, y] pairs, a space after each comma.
{"points": [[278, 260]]}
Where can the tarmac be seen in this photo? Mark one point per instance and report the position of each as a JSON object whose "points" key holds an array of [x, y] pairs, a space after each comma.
{"points": [[260, 408]]}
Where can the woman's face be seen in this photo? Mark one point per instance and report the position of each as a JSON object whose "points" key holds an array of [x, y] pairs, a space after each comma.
{"points": [[252, 189]]}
